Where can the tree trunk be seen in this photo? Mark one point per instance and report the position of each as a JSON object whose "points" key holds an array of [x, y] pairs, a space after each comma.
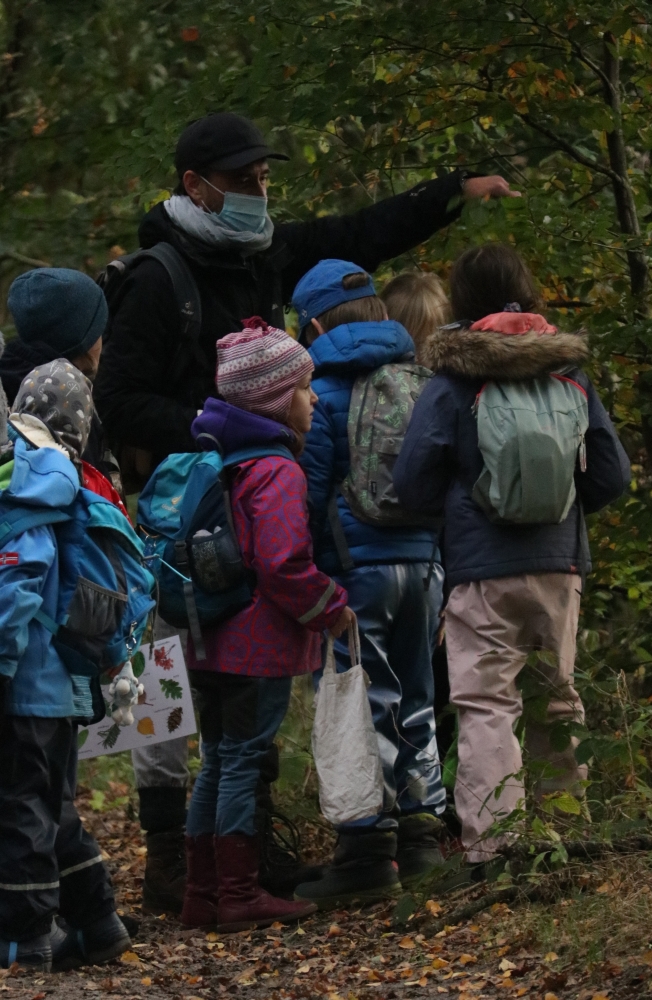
{"points": [[624, 196]]}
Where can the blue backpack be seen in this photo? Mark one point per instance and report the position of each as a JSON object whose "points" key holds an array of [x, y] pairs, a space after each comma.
{"points": [[105, 591], [184, 519]]}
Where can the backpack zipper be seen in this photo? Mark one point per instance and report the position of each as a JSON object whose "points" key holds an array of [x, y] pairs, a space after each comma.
{"points": [[358, 429], [564, 378]]}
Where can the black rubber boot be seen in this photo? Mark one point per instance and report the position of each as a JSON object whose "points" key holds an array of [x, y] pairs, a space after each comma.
{"points": [[281, 869], [34, 954], [419, 854], [165, 872], [363, 870], [97, 943]]}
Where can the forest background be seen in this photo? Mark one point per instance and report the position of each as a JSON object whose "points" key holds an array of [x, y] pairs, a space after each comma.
{"points": [[369, 98]]}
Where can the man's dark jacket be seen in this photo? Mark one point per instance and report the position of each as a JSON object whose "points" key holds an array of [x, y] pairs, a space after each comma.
{"points": [[150, 386], [440, 459]]}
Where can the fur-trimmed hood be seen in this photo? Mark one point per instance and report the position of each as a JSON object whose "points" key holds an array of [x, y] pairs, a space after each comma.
{"points": [[490, 354]]}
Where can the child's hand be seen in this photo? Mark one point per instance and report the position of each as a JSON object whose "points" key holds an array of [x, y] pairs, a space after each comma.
{"points": [[346, 618]]}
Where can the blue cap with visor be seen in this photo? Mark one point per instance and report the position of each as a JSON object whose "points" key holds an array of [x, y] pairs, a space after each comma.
{"points": [[322, 288]]}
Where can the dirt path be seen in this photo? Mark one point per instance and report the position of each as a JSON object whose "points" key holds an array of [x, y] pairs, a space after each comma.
{"points": [[342, 956]]}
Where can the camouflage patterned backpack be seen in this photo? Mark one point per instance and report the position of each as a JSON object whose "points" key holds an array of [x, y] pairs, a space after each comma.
{"points": [[380, 411]]}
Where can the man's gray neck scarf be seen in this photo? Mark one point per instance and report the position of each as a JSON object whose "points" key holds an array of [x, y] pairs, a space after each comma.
{"points": [[207, 227]]}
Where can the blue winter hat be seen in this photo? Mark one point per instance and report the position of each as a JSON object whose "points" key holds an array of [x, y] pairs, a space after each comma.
{"points": [[322, 289], [59, 307]]}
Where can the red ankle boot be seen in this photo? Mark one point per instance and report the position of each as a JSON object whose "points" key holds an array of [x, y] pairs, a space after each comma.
{"points": [[242, 904], [200, 899]]}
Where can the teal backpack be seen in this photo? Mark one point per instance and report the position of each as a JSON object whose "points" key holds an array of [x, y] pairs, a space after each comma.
{"points": [[531, 435], [185, 522]]}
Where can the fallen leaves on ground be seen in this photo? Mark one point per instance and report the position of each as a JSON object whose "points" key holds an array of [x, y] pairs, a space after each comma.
{"points": [[357, 954]]}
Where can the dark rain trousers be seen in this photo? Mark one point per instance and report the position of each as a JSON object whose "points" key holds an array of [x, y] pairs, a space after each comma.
{"points": [[48, 862]]}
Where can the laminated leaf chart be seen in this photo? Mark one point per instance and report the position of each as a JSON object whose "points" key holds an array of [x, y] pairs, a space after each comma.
{"points": [[163, 712]]}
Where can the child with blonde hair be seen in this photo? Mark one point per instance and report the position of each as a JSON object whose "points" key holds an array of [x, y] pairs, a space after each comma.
{"points": [[418, 301]]}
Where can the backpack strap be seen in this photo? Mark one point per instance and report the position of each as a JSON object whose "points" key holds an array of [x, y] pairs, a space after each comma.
{"points": [[183, 562], [184, 286], [17, 519], [337, 531], [246, 454]]}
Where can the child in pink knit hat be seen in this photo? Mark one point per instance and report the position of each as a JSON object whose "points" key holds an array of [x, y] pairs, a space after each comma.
{"points": [[243, 685], [259, 368]]}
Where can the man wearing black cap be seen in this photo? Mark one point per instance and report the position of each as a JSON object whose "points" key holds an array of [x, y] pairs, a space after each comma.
{"points": [[152, 379]]}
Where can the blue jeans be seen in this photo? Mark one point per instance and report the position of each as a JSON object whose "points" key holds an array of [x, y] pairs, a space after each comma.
{"points": [[238, 719], [398, 622]]}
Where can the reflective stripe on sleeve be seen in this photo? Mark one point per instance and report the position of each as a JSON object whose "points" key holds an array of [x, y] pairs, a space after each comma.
{"points": [[319, 606]]}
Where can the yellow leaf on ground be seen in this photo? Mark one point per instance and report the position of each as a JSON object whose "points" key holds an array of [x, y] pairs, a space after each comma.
{"points": [[599, 996], [465, 959], [407, 942], [423, 981], [506, 965], [334, 931], [302, 969], [646, 957], [145, 726], [130, 956], [550, 996], [433, 907], [146, 981], [439, 963], [552, 956], [605, 887]]}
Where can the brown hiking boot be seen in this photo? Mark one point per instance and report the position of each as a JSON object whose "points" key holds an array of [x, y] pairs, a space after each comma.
{"points": [[200, 900], [165, 872], [242, 904]]}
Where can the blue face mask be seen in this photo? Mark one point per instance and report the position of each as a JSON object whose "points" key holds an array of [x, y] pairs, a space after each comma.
{"points": [[242, 213]]}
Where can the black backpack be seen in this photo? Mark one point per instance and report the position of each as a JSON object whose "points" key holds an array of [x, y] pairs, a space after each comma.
{"points": [[112, 280]]}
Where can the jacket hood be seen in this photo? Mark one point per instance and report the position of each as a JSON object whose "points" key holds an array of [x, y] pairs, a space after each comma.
{"points": [[361, 346], [494, 355], [42, 477], [233, 428]]}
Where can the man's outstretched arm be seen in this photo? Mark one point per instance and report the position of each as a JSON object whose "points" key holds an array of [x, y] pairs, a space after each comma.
{"points": [[388, 228]]}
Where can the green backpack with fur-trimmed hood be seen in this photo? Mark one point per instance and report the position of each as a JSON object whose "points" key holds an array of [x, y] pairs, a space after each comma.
{"points": [[531, 422]]}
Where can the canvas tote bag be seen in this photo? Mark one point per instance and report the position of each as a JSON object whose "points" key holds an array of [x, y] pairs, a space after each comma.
{"points": [[344, 742]]}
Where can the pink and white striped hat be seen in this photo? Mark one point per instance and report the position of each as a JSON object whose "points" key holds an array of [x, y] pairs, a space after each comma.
{"points": [[259, 368]]}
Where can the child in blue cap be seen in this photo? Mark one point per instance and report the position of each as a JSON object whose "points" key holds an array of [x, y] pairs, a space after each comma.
{"points": [[346, 326]]}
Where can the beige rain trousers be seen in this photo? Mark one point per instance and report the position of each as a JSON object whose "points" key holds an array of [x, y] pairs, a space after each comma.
{"points": [[491, 628]]}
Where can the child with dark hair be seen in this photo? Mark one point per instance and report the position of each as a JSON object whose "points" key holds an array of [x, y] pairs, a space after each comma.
{"points": [[515, 586], [383, 570]]}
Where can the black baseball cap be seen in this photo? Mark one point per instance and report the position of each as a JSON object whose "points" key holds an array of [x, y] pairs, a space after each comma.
{"points": [[223, 141]]}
